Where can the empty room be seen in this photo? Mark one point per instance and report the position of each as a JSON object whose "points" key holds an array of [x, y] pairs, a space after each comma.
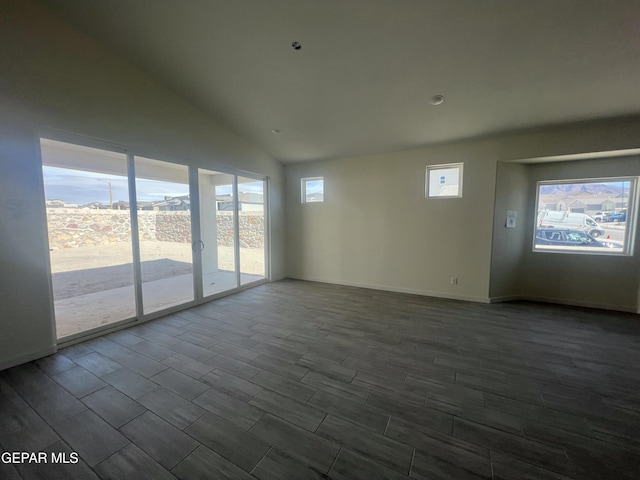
{"points": [[301, 239]]}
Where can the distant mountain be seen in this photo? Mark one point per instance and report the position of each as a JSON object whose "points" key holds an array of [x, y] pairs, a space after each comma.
{"points": [[594, 188], [315, 197]]}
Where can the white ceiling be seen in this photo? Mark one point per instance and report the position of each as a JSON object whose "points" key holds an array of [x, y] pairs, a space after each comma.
{"points": [[362, 80]]}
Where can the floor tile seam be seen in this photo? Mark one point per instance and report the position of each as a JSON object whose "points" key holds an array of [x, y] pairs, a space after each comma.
{"points": [[94, 467], [182, 395], [118, 361], [247, 431], [36, 363], [335, 459], [234, 396], [571, 464], [189, 375], [372, 432], [315, 432], [387, 426], [119, 429], [617, 446], [417, 447], [584, 415], [413, 458], [49, 425], [493, 475], [86, 394], [52, 425], [560, 412], [595, 431], [508, 393], [281, 376], [121, 393], [152, 358], [518, 419], [198, 444], [560, 450], [260, 461], [375, 460], [545, 446], [265, 412]]}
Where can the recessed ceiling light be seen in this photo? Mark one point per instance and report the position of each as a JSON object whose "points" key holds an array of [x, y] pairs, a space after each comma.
{"points": [[436, 100], [276, 131]]}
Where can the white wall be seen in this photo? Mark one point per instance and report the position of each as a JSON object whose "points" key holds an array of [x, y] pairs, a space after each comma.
{"points": [[376, 229], [610, 282], [56, 77], [512, 194]]}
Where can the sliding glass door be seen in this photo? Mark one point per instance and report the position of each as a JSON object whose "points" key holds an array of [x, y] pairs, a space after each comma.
{"points": [[251, 226], [218, 232], [232, 231], [164, 234], [123, 241], [89, 227]]}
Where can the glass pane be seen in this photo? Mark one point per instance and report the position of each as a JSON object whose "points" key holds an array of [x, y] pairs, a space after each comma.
{"points": [[217, 230], [445, 181], [584, 216], [312, 190], [164, 230], [89, 227], [251, 229]]}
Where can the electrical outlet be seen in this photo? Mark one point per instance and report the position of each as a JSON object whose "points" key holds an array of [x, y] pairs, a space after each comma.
{"points": [[454, 280]]}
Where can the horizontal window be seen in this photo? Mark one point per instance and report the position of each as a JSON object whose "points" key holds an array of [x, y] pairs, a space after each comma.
{"points": [[586, 216]]}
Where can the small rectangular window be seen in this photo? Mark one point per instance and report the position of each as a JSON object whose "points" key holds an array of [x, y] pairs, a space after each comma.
{"points": [[313, 190], [586, 216], [444, 181]]}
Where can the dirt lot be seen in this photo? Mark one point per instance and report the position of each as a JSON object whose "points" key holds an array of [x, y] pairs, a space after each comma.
{"points": [[77, 271]]}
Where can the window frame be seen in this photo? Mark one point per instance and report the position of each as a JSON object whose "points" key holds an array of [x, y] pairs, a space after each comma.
{"points": [[303, 189], [444, 166], [631, 216]]}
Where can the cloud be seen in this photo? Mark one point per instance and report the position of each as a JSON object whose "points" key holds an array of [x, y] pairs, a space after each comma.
{"points": [[80, 187]]}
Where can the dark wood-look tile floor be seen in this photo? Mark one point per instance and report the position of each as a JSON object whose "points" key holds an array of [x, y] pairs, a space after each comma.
{"points": [[297, 380]]}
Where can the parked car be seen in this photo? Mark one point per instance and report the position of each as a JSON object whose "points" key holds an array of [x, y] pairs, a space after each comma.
{"points": [[620, 216], [602, 216], [565, 237], [570, 220]]}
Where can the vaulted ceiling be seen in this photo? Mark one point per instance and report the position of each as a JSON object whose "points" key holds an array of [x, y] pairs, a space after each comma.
{"points": [[366, 70]]}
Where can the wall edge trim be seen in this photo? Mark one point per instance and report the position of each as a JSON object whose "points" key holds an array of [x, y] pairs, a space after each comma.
{"points": [[28, 357], [387, 288]]}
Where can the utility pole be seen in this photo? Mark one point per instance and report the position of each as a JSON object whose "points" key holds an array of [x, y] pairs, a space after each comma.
{"points": [[110, 192]]}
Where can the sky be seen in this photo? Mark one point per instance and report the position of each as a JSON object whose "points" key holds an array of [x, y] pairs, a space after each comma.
{"points": [[81, 187], [315, 186]]}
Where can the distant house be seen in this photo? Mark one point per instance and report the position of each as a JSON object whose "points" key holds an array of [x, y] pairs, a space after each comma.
{"points": [[581, 202], [121, 205], [181, 203], [247, 201]]}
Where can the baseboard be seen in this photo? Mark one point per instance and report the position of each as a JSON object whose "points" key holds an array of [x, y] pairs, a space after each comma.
{"points": [[28, 357], [468, 298], [387, 288], [580, 303], [506, 298]]}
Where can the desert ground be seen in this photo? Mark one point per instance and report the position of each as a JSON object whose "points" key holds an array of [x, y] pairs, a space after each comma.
{"points": [[93, 285]]}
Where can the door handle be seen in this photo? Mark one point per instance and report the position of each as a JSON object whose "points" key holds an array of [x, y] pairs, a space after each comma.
{"points": [[201, 245]]}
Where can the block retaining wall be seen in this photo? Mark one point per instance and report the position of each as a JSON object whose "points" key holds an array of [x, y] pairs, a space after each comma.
{"points": [[71, 228]]}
